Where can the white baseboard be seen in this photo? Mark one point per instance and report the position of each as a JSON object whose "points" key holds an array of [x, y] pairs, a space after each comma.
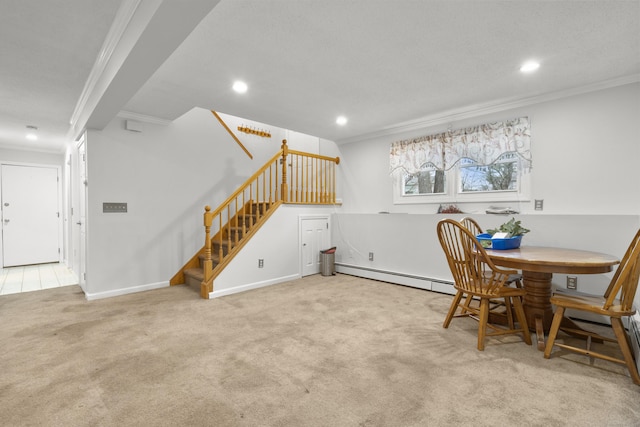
{"points": [[125, 291], [248, 287], [414, 281]]}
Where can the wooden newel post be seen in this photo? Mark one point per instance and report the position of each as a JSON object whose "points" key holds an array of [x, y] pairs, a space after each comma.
{"points": [[285, 187], [333, 194], [207, 267]]}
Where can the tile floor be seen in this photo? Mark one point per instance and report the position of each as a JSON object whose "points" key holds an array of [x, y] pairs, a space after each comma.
{"points": [[29, 278]]}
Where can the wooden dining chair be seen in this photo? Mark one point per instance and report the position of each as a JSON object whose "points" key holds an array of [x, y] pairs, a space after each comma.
{"points": [[514, 279], [617, 302], [475, 275], [475, 229]]}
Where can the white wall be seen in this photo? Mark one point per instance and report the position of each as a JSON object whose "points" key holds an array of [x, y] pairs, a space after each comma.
{"points": [[166, 174], [407, 244], [585, 167], [278, 244], [585, 152]]}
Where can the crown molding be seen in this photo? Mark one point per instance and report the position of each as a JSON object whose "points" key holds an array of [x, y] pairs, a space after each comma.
{"points": [[487, 108], [119, 26]]}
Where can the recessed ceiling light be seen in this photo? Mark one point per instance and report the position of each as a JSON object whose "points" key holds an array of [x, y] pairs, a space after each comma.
{"points": [[529, 66], [341, 120], [240, 87], [32, 134]]}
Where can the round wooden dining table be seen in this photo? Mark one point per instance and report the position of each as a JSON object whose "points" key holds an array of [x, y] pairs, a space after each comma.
{"points": [[538, 264]]}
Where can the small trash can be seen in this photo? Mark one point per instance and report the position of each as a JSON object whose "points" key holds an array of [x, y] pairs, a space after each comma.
{"points": [[327, 261]]}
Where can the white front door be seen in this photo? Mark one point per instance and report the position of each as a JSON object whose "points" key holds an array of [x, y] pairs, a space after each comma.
{"points": [[30, 215], [315, 237]]}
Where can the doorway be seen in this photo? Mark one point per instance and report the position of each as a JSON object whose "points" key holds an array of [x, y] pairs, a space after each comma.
{"points": [[79, 215], [31, 223], [314, 237]]}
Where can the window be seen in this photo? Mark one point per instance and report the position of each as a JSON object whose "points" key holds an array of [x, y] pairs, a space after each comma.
{"points": [[490, 162], [424, 182], [499, 176]]}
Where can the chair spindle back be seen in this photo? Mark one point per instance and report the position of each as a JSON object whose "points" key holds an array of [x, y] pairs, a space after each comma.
{"points": [[472, 270], [471, 225], [625, 279]]}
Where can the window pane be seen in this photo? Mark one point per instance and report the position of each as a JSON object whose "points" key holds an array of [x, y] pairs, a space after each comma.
{"points": [[424, 182], [496, 177]]}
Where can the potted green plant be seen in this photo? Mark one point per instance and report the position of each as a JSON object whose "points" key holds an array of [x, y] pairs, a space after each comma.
{"points": [[512, 240], [512, 227]]}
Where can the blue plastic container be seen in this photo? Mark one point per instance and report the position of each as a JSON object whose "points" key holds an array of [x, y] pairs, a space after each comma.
{"points": [[500, 244]]}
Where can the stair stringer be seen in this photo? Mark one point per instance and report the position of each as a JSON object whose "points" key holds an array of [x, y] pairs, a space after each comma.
{"points": [[236, 249], [279, 244], [206, 286]]}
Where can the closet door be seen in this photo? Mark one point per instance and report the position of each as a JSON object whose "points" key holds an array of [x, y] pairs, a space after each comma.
{"points": [[314, 238]]}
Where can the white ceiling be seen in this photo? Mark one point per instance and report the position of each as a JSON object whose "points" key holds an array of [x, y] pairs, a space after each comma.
{"points": [[47, 49], [381, 63]]}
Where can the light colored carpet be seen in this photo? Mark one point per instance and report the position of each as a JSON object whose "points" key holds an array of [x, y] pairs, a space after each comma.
{"points": [[319, 351]]}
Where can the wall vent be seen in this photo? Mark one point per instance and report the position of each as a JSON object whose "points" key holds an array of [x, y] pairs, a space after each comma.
{"points": [[133, 126]]}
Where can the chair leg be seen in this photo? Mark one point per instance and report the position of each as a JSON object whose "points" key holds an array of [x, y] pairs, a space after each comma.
{"points": [[484, 318], [452, 309], [623, 342], [522, 319], [509, 312], [553, 332], [467, 303]]}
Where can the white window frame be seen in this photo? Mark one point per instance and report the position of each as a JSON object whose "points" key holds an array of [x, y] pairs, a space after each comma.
{"points": [[452, 194]]}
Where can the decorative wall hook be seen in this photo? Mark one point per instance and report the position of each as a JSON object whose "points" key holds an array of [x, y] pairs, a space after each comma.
{"points": [[251, 131]]}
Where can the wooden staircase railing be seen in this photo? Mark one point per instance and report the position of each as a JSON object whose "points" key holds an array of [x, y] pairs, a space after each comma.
{"points": [[231, 225]]}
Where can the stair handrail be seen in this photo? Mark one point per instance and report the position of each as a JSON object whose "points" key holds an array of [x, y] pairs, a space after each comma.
{"points": [[318, 187], [244, 186], [284, 152]]}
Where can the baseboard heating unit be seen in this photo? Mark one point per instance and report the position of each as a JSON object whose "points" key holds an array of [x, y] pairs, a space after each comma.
{"points": [[399, 278]]}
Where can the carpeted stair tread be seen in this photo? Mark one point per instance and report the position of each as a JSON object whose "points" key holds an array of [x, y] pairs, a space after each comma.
{"points": [[214, 257], [195, 273]]}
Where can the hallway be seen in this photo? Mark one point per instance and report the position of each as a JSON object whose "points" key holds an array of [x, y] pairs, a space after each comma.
{"points": [[29, 278]]}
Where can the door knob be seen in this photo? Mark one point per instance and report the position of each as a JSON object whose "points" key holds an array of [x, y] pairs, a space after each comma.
{"points": [[6, 220], [6, 203], [79, 223]]}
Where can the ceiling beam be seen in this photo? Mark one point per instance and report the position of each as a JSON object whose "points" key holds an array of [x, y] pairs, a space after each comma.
{"points": [[145, 33]]}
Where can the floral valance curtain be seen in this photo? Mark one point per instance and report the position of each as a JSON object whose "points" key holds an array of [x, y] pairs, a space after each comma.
{"points": [[484, 144]]}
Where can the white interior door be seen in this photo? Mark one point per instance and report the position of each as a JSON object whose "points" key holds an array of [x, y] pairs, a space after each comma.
{"points": [[315, 237], [30, 215], [82, 215]]}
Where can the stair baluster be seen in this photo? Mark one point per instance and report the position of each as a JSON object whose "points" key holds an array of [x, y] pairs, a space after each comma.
{"points": [[244, 212]]}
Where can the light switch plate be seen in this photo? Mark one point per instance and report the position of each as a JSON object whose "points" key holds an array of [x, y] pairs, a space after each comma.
{"points": [[114, 207]]}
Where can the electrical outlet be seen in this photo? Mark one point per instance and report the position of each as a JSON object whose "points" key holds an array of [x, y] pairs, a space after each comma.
{"points": [[572, 282], [539, 204], [260, 263], [370, 256]]}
